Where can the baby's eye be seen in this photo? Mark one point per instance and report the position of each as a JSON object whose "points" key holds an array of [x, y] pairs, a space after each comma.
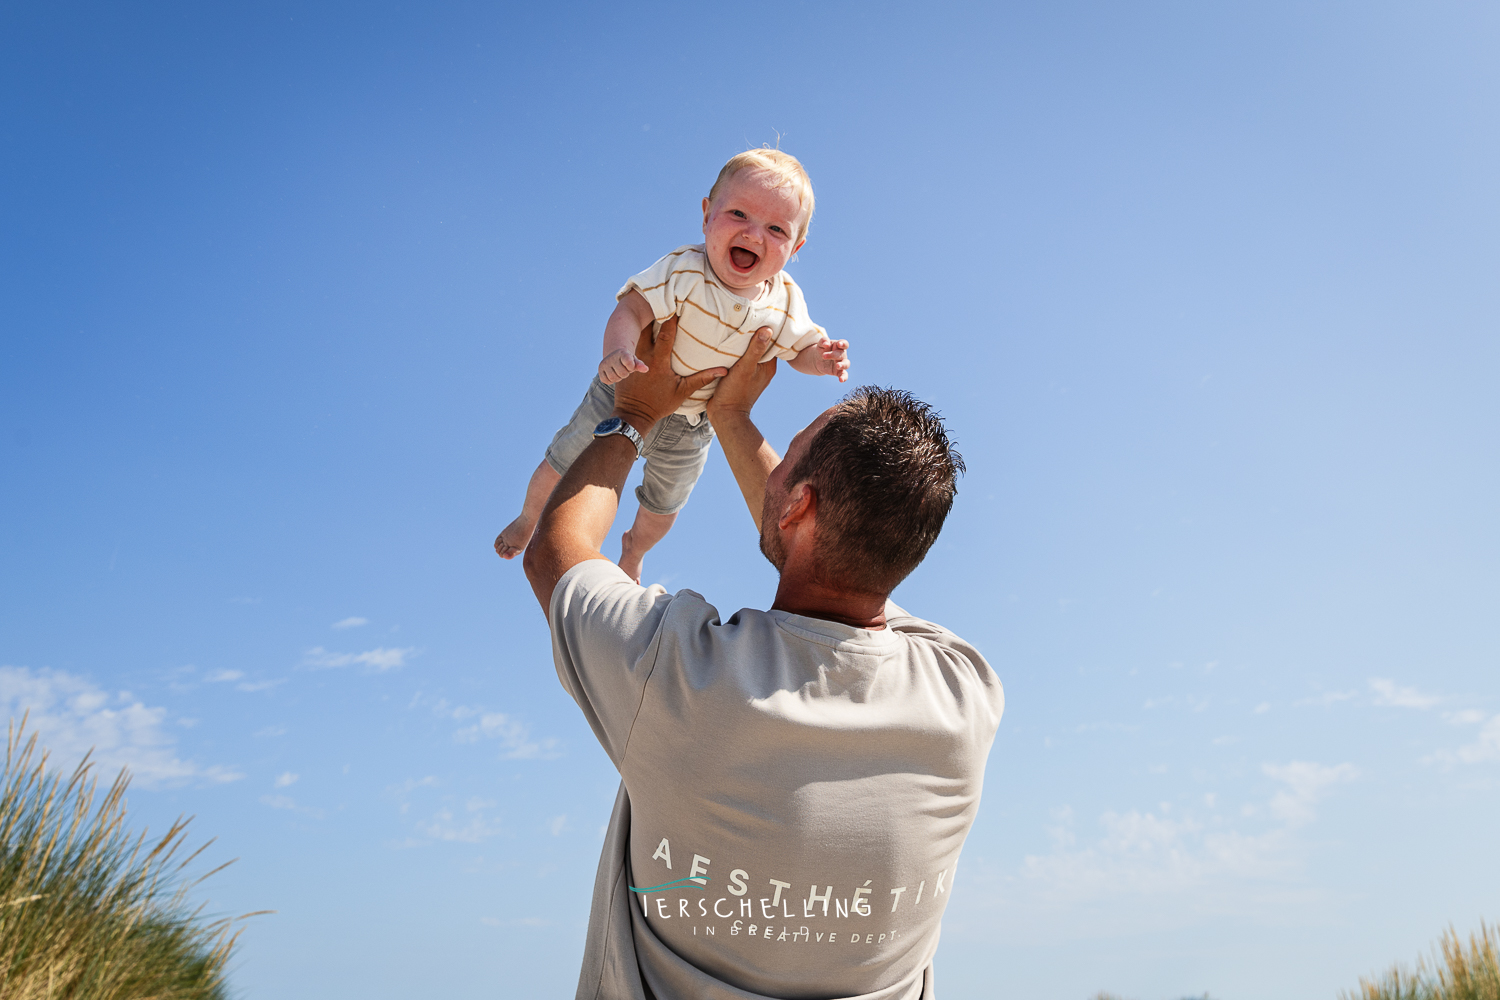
{"points": [[737, 213], [778, 229]]}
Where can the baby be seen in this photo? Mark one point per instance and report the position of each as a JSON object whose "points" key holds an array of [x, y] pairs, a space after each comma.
{"points": [[722, 291]]}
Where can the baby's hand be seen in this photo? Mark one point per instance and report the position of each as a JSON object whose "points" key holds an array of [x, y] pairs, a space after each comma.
{"points": [[619, 364], [832, 358]]}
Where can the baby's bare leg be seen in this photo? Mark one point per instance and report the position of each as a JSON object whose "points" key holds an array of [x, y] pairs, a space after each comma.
{"points": [[647, 530], [517, 534]]}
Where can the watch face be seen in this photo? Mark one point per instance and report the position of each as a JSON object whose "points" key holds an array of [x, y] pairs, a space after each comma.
{"points": [[608, 426]]}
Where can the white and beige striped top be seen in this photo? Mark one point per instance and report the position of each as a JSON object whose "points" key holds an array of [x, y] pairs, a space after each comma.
{"points": [[714, 325]]}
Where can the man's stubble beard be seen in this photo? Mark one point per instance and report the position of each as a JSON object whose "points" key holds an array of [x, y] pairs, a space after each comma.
{"points": [[770, 538]]}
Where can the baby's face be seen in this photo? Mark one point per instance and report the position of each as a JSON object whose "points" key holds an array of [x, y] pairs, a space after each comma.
{"points": [[750, 232]]}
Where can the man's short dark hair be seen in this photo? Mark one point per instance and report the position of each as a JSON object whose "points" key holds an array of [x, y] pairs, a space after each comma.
{"points": [[885, 475]]}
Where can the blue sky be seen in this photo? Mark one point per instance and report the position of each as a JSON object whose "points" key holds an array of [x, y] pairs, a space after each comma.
{"points": [[292, 297]]}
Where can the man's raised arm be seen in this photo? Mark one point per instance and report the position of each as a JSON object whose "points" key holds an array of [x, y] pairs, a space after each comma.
{"points": [[582, 507], [751, 459]]}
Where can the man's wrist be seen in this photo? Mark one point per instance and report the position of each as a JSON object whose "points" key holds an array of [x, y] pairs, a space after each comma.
{"points": [[618, 427], [724, 416], [642, 424]]}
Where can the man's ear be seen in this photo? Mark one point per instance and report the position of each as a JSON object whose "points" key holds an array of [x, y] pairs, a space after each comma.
{"points": [[705, 216], [802, 505]]}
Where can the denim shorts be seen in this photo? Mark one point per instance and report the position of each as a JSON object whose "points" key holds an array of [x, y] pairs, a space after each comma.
{"points": [[675, 451]]}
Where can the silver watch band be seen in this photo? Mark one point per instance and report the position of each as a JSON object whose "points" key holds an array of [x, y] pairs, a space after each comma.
{"points": [[614, 425]]}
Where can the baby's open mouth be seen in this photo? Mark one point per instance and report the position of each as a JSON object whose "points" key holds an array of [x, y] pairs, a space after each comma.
{"points": [[742, 258]]}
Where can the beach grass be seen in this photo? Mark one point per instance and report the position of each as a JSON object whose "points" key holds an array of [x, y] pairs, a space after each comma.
{"points": [[89, 911], [1454, 972]]}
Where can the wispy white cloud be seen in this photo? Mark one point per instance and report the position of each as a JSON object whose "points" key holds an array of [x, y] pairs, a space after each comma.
{"points": [[1463, 717], [286, 778], [353, 622], [1306, 784], [517, 922], [1162, 852], [472, 826], [71, 716], [1191, 702], [558, 825], [270, 731], [290, 805], [1326, 698], [412, 784], [374, 661], [236, 677], [1150, 853], [1485, 748], [402, 792], [1387, 692], [514, 736]]}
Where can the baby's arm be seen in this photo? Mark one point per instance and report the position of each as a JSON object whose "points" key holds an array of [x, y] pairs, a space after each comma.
{"points": [[632, 315], [826, 357]]}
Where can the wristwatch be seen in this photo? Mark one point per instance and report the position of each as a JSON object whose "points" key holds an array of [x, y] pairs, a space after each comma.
{"points": [[614, 425]]}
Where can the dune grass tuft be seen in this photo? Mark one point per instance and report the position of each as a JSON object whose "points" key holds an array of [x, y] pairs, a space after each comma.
{"points": [[88, 911], [1456, 972]]}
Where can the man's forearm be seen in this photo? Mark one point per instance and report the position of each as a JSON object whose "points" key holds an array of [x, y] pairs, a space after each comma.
{"points": [[582, 507], [751, 458], [578, 515]]}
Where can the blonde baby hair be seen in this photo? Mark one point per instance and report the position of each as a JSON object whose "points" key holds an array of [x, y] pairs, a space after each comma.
{"points": [[783, 165]]}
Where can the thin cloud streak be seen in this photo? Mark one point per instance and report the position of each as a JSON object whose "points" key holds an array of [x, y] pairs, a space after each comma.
{"points": [[376, 661], [1387, 692]]}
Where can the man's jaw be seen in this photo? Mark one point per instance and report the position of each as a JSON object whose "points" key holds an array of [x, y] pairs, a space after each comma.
{"points": [[770, 542]]}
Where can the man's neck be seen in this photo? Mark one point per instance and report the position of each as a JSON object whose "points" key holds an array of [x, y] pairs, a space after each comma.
{"points": [[799, 594]]}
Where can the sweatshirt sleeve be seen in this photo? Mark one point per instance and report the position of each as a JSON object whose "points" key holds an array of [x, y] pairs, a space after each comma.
{"points": [[605, 639]]}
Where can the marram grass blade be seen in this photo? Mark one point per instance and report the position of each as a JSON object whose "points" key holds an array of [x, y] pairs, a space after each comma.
{"points": [[1455, 972], [88, 911]]}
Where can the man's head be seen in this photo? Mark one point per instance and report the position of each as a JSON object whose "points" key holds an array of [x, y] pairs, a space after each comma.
{"points": [[882, 474]]}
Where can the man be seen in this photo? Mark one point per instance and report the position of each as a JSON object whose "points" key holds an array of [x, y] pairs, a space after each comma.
{"points": [[796, 783]]}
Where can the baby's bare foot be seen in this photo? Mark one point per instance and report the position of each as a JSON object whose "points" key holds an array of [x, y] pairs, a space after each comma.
{"points": [[513, 540], [630, 560]]}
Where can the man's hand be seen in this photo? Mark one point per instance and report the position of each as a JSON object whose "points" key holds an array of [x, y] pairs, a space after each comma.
{"points": [[646, 395], [619, 364], [737, 392]]}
